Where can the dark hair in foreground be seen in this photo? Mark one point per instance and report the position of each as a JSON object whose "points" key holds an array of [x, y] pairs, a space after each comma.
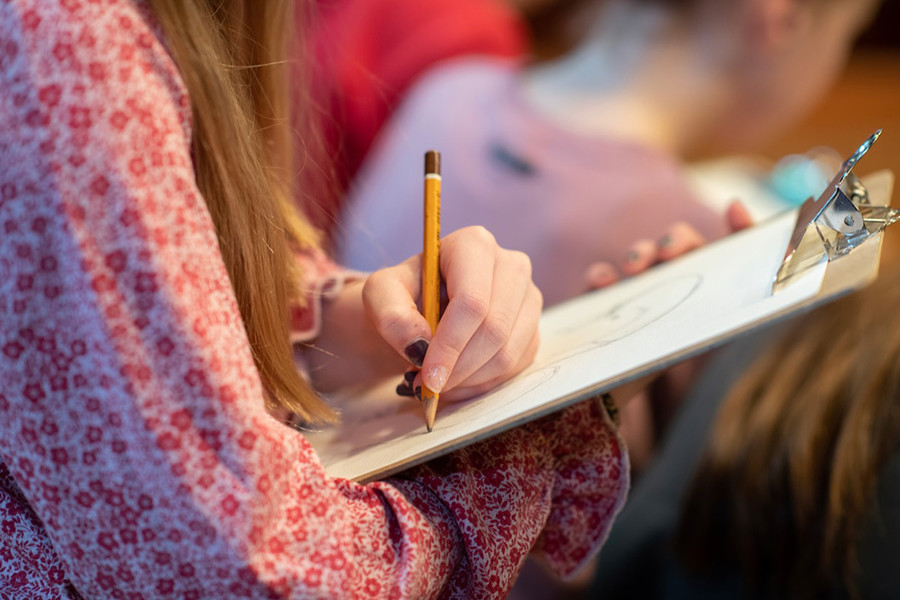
{"points": [[788, 477]]}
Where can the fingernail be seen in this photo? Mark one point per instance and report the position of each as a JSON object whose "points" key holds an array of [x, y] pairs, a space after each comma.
{"points": [[632, 256], [666, 241], [418, 393], [404, 390], [436, 378], [410, 375], [601, 273], [415, 351]]}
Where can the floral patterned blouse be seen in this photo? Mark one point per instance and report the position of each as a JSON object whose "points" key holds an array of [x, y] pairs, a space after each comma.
{"points": [[136, 456]]}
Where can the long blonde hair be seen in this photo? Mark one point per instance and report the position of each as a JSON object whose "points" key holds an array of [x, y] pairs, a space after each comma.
{"points": [[232, 58]]}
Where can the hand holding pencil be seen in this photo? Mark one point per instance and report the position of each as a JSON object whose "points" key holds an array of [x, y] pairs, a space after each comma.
{"points": [[488, 330]]}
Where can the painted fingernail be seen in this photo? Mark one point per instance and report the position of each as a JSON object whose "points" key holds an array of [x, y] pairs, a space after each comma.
{"points": [[666, 241], [404, 390], [436, 378], [418, 393], [410, 375], [415, 351]]}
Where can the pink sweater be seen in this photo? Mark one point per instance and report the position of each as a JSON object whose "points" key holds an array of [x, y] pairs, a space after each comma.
{"points": [[564, 198], [136, 457]]}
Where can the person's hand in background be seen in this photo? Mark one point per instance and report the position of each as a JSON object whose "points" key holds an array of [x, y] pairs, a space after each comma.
{"points": [[680, 239], [645, 408]]}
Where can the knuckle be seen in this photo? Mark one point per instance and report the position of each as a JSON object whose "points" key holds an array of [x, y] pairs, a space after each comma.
{"points": [[448, 349], [497, 329], [389, 320], [472, 305], [520, 263], [481, 235], [506, 359]]}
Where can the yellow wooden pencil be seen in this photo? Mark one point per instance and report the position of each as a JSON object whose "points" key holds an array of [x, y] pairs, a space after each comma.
{"points": [[431, 274]]}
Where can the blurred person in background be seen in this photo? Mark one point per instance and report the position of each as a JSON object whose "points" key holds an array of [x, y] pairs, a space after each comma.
{"points": [[574, 159], [577, 160], [365, 55]]}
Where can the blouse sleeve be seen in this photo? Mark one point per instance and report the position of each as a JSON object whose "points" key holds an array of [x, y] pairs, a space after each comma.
{"points": [[321, 280], [132, 421]]}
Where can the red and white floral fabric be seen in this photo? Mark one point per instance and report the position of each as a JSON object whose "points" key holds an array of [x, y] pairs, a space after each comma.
{"points": [[323, 280], [136, 456]]}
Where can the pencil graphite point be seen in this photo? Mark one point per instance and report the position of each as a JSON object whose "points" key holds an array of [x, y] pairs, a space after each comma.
{"points": [[431, 404]]}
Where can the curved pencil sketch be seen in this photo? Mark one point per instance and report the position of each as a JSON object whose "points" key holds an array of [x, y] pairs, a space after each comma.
{"points": [[381, 416], [600, 324]]}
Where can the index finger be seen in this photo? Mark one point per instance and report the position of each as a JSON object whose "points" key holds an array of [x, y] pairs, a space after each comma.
{"points": [[468, 269]]}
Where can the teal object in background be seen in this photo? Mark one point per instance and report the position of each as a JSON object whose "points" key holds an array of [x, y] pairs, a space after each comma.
{"points": [[797, 177]]}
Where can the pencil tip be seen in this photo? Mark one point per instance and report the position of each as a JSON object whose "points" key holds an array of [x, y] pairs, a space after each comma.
{"points": [[431, 403]]}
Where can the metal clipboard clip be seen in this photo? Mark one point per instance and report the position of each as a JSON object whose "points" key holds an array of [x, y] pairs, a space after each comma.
{"points": [[835, 223]]}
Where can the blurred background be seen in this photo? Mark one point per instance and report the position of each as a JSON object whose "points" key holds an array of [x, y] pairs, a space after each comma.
{"points": [[866, 97], [369, 63]]}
